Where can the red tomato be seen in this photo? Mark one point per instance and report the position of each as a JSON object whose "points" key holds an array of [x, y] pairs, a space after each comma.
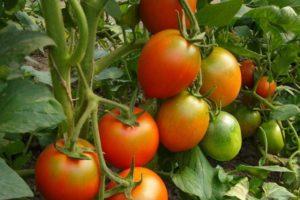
{"points": [[59, 177], [247, 71], [158, 15], [122, 143], [151, 187], [168, 64], [221, 76], [265, 88], [182, 122]]}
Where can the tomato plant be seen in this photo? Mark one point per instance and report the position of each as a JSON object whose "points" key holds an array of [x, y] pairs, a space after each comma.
{"points": [[221, 76], [223, 139], [123, 143], [273, 134], [247, 71], [151, 187], [58, 176], [166, 55], [182, 122], [265, 88], [249, 121], [162, 14]]}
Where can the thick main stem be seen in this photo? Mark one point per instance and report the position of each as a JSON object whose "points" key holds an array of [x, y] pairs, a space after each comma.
{"points": [[60, 71]]}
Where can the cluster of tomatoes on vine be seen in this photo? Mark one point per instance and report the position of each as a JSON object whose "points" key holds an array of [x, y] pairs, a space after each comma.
{"points": [[167, 67]]}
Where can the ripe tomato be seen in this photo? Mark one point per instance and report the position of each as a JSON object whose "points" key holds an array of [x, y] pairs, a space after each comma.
{"points": [[265, 88], [182, 122], [121, 143], [223, 139], [168, 64], [59, 177], [158, 15], [247, 71], [249, 121], [221, 75], [151, 187], [274, 136]]}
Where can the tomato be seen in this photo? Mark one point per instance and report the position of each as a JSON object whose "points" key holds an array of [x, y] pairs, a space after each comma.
{"points": [[265, 88], [168, 64], [274, 136], [247, 71], [182, 122], [158, 15], [222, 76], [121, 143], [151, 187], [249, 121], [59, 177], [223, 139]]}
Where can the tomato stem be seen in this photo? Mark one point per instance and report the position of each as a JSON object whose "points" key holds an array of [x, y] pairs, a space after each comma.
{"points": [[195, 29], [80, 50], [294, 133]]}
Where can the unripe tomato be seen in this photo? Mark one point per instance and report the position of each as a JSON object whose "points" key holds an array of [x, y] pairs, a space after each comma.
{"points": [[151, 187], [158, 15], [247, 71], [121, 143], [249, 121], [223, 139], [168, 64], [59, 177], [274, 136], [265, 88], [222, 76], [182, 122]]}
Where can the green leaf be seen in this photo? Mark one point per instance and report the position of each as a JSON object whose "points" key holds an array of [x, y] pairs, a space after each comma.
{"points": [[39, 76], [3, 85], [187, 180], [262, 170], [14, 46], [113, 9], [12, 6], [240, 190], [226, 11], [241, 51], [11, 184], [14, 148], [27, 21], [131, 17], [285, 112], [274, 191], [109, 73], [26, 107]]}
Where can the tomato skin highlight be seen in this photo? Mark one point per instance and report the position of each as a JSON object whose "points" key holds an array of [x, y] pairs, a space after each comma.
{"points": [[274, 136], [223, 139], [222, 75], [168, 64], [247, 71], [151, 187], [122, 143], [264, 88], [249, 121], [182, 122], [59, 177], [158, 15]]}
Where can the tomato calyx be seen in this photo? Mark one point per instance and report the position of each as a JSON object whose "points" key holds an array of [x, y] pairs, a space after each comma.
{"points": [[78, 153]]}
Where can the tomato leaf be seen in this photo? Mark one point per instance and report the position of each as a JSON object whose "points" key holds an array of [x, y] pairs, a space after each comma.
{"points": [[26, 107], [261, 169], [274, 191], [11, 184], [226, 11], [15, 45], [39, 76], [240, 190], [285, 112], [241, 51], [113, 9]]}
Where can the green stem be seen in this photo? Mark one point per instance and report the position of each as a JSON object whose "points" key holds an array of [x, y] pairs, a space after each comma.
{"points": [[28, 143], [192, 18], [117, 54], [104, 169], [115, 104], [79, 51], [294, 133], [60, 72]]}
